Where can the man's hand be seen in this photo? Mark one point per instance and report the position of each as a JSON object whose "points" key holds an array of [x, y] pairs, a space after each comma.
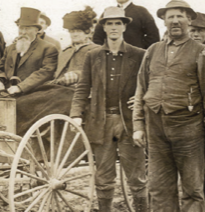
{"points": [[2, 87], [78, 121], [131, 103], [14, 89], [139, 138]]}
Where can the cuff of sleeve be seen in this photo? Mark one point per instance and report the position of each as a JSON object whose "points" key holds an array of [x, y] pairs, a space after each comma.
{"points": [[138, 126]]}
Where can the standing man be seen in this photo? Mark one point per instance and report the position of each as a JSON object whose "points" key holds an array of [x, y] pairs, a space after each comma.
{"points": [[197, 28], [169, 105], [45, 22], [30, 61], [111, 72], [142, 32]]}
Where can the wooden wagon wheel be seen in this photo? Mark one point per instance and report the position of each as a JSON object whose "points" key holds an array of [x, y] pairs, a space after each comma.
{"points": [[59, 180]]}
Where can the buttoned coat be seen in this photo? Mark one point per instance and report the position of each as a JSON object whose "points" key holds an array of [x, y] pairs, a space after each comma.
{"points": [[94, 76], [141, 32], [75, 58], [36, 66]]}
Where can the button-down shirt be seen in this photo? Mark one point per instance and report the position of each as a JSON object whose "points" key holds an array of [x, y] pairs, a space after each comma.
{"points": [[113, 72]]}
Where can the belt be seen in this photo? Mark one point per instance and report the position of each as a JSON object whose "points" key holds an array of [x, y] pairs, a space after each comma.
{"points": [[113, 110]]}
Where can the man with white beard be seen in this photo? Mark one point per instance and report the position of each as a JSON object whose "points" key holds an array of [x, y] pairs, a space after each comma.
{"points": [[30, 61]]}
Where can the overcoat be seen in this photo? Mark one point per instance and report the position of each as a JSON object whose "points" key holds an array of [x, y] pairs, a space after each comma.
{"points": [[36, 66], [141, 32], [94, 76], [55, 42]]}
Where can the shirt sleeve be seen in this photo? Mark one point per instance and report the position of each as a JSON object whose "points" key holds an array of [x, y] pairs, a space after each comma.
{"points": [[142, 84]]}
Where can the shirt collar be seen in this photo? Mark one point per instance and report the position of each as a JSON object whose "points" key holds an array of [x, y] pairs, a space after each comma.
{"points": [[122, 48], [125, 5], [170, 41]]}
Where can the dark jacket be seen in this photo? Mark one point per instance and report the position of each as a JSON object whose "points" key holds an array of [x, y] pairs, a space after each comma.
{"points": [[36, 66], [94, 75], [141, 32], [2, 45]]}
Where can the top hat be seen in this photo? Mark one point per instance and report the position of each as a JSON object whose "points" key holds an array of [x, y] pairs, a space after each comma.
{"points": [[46, 18], [199, 21], [177, 4], [114, 13], [29, 17], [79, 19]]}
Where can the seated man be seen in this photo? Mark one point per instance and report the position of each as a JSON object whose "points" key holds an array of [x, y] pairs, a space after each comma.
{"points": [[30, 61], [197, 28], [56, 95]]}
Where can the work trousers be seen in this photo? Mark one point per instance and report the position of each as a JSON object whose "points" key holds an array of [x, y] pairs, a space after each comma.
{"points": [[131, 158], [176, 147]]}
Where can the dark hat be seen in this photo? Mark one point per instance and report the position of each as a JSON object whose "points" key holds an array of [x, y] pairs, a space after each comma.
{"points": [[46, 18], [113, 13], [177, 4], [199, 21], [79, 19], [29, 17]]}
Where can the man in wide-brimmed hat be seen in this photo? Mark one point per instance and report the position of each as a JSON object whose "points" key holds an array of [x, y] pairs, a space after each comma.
{"points": [[45, 22], [169, 109], [141, 32], [110, 71], [30, 61], [197, 28]]}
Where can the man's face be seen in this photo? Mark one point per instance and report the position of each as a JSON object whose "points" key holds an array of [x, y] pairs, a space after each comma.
{"points": [[77, 36], [197, 34], [43, 23], [122, 1], [28, 32], [177, 23], [114, 28]]}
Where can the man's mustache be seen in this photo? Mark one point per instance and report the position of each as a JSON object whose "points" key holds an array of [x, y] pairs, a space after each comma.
{"points": [[23, 36]]}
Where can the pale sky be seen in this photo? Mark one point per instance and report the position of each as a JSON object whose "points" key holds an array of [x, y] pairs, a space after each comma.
{"points": [[56, 9]]}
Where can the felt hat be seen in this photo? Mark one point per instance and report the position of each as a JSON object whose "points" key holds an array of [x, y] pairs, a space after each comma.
{"points": [[199, 21], [46, 18], [114, 13], [177, 4]]}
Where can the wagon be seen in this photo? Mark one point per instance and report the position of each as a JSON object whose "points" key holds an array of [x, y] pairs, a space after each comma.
{"points": [[50, 168]]}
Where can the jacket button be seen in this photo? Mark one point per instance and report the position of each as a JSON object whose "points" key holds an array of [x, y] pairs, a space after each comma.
{"points": [[11, 66]]}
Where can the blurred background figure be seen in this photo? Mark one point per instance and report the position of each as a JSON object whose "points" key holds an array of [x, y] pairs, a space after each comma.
{"points": [[197, 28], [45, 22], [2, 45], [142, 32]]}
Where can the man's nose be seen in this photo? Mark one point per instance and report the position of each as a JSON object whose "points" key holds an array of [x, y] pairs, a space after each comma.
{"points": [[175, 20], [196, 33]]}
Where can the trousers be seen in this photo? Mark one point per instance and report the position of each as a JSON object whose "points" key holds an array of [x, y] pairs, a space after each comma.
{"points": [[131, 158], [176, 147]]}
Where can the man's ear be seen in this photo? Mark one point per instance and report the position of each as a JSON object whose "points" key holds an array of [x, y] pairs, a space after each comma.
{"points": [[125, 27]]}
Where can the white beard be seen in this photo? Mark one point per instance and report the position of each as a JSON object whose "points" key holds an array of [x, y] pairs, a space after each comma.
{"points": [[22, 45]]}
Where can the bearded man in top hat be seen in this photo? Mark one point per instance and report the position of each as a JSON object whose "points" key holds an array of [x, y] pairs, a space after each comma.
{"points": [[197, 28], [45, 22], [111, 71], [169, 107], [141, 32], [30, 61]]}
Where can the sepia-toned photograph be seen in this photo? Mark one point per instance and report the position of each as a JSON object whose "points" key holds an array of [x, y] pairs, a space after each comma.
{"points": [[102, 106]]}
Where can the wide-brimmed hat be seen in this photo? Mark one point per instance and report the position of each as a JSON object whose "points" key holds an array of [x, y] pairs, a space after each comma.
{"points": [[199, 21], [114, 13], [29, 17], [46, 18], [79, 19], [177, 4]]}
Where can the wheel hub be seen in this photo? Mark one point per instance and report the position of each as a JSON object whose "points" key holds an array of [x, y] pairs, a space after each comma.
{"points": [[55, 184]]}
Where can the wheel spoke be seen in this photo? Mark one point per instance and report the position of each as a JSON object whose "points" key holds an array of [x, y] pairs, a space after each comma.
{"points": [[37, 163], [48, 203], [77, 177], [65, 201], [43, 152], [32, 176], [30, 191], [77, 193], [57, 203], [68, 152], [45, 198], [77, 160], [36, 200], [61, 146], [52, 135]]}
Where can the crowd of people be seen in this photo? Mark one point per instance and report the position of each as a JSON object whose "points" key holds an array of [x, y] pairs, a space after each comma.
{"points": [[133, 91]]}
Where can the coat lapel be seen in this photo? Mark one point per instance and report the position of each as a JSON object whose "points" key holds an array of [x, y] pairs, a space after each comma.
{"points": [[28, 53]]}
